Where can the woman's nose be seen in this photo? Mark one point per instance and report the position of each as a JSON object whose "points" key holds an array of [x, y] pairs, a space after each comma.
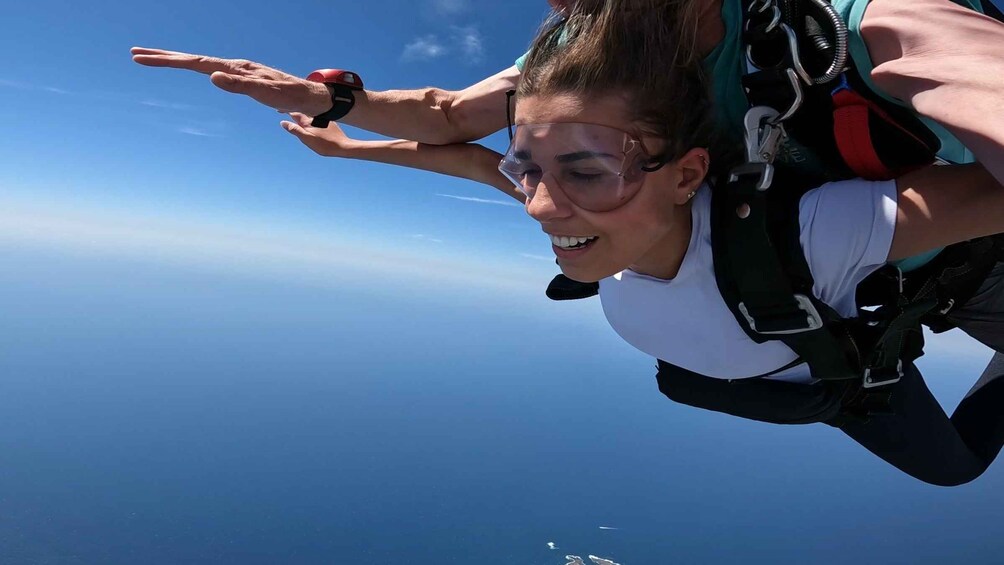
{"points": [[547, 203]]}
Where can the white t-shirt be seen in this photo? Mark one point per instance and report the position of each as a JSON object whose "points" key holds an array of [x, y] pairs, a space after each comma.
{"points": [[846, 232]]}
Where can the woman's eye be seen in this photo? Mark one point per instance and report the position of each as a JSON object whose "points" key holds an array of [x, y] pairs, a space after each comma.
{"points": [[529, 174], [584, 176]]}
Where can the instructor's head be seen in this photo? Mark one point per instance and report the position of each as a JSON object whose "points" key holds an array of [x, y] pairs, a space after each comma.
{"points": [[613, 130]]}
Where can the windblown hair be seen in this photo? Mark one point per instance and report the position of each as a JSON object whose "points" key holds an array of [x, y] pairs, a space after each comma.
{"points": [[643, 50]]}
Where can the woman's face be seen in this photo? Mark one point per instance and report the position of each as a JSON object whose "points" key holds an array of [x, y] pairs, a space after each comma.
{"points": [[648, 233]]}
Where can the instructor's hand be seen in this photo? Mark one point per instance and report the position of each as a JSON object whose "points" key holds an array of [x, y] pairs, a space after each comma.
{"points": [[272, 87], [329, 142]]}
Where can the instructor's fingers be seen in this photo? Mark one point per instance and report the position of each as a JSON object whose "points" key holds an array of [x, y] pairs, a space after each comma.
{"points": [[199, 63], [232, 83], [274, 94], [261, 89], [206, 65], [152, 51]]}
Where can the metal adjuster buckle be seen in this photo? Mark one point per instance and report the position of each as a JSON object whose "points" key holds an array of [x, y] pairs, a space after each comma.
{"points": [[873, 381], [813, 321], [764, 172]]}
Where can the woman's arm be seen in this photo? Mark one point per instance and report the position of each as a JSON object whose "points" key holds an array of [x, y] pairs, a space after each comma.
{"points": [[945, 60], [939, 206], [463, 160]]}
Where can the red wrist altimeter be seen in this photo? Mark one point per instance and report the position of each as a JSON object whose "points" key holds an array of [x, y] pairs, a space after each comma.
{"points": [[342, 85]]}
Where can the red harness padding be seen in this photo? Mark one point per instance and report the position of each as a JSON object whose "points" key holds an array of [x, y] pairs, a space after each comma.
{"points": [[855, 118]]}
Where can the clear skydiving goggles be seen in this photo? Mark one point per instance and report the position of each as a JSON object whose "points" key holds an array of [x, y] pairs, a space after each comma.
{"points": [[598, 168]]}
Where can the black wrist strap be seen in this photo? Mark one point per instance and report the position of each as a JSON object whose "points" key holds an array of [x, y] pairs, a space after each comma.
{"points": [[342, 100]]}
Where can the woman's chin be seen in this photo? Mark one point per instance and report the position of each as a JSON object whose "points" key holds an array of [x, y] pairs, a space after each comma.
{"points": [[582, 273]]}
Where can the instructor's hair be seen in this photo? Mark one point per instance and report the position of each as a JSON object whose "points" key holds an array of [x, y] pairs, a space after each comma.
{"points": [[643, 50]]}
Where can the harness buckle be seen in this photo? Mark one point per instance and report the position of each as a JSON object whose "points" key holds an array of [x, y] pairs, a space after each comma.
{"points": [[871, 380], [764, 172], [813, 321]]}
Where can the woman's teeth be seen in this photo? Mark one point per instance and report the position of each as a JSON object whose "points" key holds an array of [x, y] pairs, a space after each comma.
{"points": [[566, 242]]}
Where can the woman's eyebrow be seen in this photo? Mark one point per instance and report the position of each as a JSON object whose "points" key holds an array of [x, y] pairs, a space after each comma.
{"points": [[580, 155]]}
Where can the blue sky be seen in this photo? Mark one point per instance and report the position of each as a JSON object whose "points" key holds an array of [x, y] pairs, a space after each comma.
{"points": [[94, 136], [105, 156], [125, 191]]}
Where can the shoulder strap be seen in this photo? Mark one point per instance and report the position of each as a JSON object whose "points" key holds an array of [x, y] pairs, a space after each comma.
{"points": [[759, 263], [763, 277]]}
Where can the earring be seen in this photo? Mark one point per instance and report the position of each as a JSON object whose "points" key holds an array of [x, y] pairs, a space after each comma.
{"points": [[691, 195]]}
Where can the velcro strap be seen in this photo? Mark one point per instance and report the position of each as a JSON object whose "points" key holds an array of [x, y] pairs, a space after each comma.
{"points": [[342, 100]]}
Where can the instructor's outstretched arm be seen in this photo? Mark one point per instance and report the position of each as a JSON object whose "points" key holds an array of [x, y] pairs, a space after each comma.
{"points": [[428, 115]]}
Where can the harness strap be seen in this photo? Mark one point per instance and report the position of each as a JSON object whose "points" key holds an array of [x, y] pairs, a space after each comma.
{"points": [[753, 269], [958, 273], [901, 341], [776, 402]]}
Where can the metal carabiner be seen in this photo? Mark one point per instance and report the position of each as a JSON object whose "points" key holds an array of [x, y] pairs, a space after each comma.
{"points": [[764, 134]]}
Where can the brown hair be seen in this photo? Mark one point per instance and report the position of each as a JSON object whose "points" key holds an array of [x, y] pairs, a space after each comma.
{"points": [[644, 50]]}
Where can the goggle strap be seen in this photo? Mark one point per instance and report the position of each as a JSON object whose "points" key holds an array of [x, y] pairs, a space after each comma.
{"points": [[508, 111], [659, 163]]}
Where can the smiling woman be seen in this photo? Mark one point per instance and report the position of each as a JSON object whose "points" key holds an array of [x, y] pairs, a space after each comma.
{"points": [[617, 154], [563, 163], [617, 174]]}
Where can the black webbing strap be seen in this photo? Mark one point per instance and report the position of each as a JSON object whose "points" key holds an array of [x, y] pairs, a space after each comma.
{"points": [[772, 401], [901, 340], [757, 287], [957, 274]]}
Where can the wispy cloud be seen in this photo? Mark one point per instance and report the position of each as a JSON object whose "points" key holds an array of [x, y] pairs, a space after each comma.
{"points": [[189, 130], [482, 200], [462, 42], [469, 42], [167, 105], [450, 7], [424, 49], [424, 237], [28, 86], [240, 245], [13, 84], [541, 258], [106, 96]]}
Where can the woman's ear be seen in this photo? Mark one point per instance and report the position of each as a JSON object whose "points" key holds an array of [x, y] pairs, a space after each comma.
{"points": [[692, 167]]}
